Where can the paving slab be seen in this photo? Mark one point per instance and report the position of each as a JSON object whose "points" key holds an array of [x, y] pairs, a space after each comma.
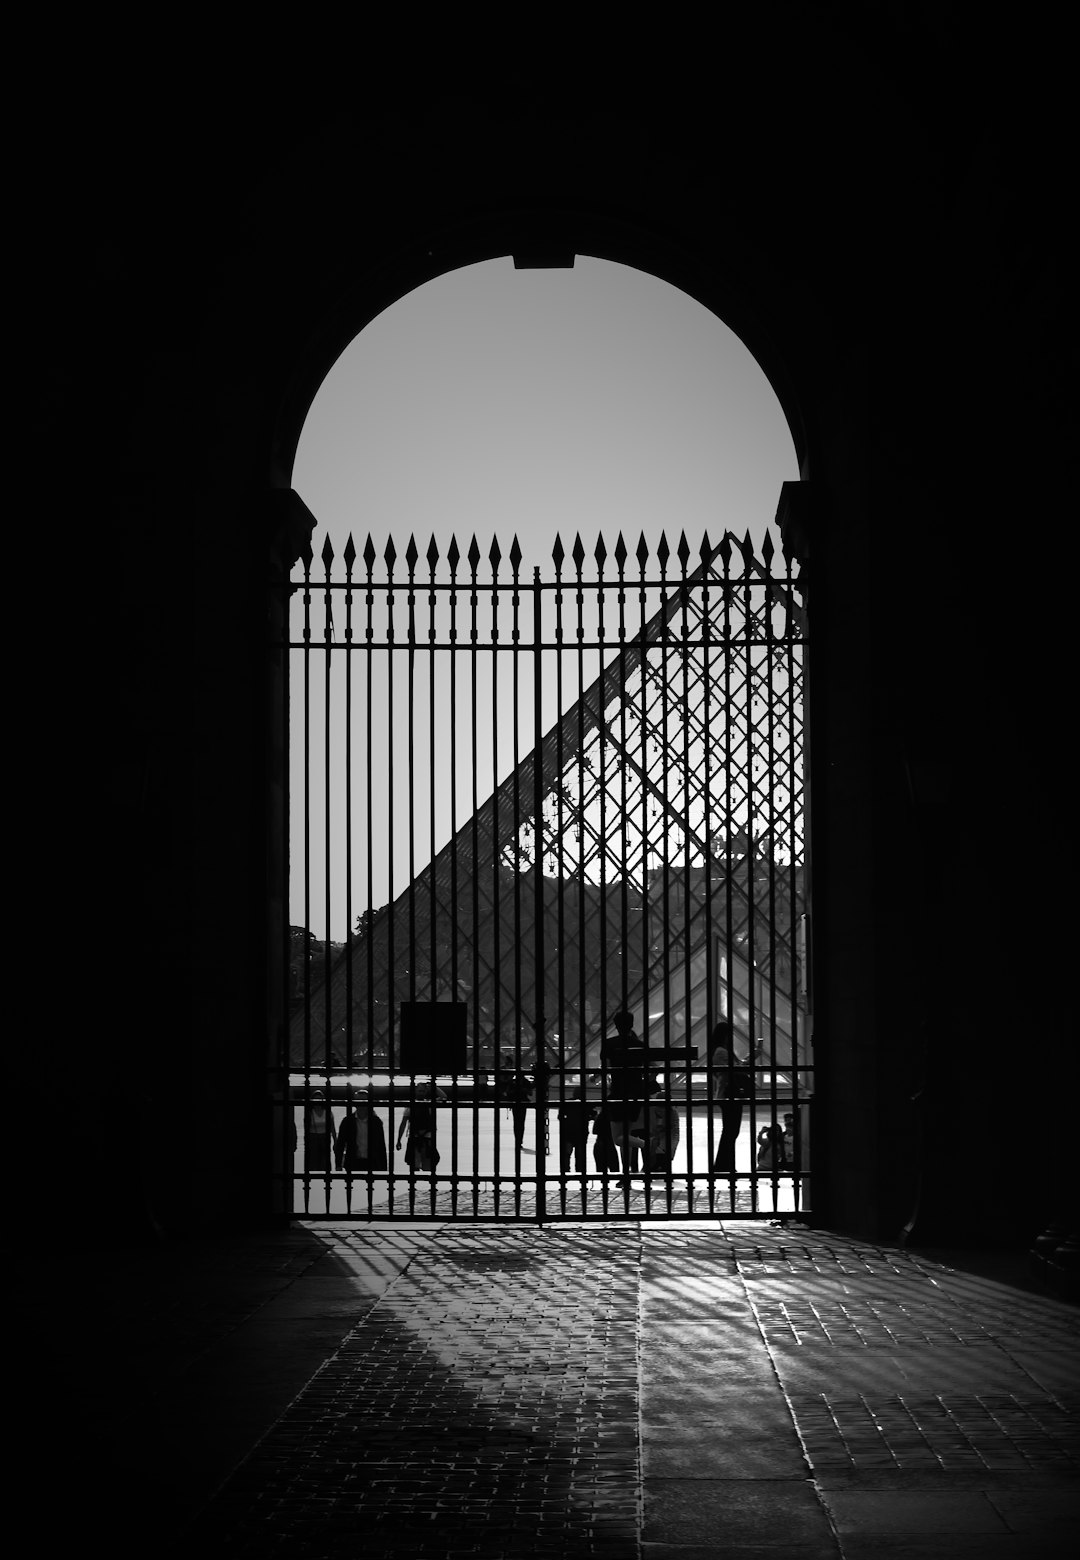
{"points": [[621, 1389]]}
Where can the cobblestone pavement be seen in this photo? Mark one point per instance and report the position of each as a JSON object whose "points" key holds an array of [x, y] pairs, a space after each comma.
{"points": [[659, 1391], [486, 1404]]}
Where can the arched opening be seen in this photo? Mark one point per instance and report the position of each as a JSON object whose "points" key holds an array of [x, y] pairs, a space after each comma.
{"points": [[530, 420]]}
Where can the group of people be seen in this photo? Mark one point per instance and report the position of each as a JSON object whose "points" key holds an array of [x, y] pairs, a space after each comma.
{"points": [[634, 1125]]}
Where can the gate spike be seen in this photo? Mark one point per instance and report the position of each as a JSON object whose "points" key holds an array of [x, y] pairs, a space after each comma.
{"points": [[600, 552], [474, 555], [327, 550], [620, 553], [391, 552], [369, 553], [642, 552], [515, 554], [411, 553], [725, 549], [579, 552], [432, 554], [684, 550], [706, 551], [747, 546], [767, 550], [350, 553], [453, 556], [557, 552], [663, 551], [495, 555]]}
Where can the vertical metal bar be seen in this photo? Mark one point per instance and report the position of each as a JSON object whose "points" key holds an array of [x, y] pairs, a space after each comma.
{"points": [[583, 933], [751, 859], [772, 792], [662, 554], [729, 906], [391, 998], [560, 827], [796, 793], [304, 952], [350, 556], [496, 887], [289, 1134], [328, 1028], [369, 927], [623, 880], [709, 820], [474, 857], [539, 952], [515, 706], [646, 777]]}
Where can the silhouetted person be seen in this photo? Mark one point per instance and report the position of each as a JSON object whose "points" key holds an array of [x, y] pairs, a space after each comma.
{"points": [[730, 1084], [319, 1134], [770, 1148], [361, 1141], [421, 1152], [790, 1157], [519, 1092], [575, 1115], [628, 1089], [605, 1155], [662, 1133]]}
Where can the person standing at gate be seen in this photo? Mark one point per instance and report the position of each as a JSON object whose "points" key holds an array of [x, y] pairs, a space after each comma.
{"points": [[319, 1134], [361, 1141], [730, 1083], [790, 1160], [628, 1089], [662, 1132], [421, 1152], [574, 1118], [770, 1148]]}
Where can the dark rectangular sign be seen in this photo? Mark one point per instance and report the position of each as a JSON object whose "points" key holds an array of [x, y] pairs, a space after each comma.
{"points": [[433, 1038]]}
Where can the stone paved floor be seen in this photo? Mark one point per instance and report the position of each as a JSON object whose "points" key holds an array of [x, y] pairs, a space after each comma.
{"points": [[643, 1392]]}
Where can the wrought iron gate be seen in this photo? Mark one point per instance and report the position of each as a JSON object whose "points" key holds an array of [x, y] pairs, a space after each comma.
{"points": [[557, 824]]}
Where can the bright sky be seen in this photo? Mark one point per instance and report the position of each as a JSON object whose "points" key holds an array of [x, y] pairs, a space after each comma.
{"points": [[493, 402]]}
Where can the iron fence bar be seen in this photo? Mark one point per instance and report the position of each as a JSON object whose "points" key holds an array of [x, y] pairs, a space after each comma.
{"points": [[350, 557], [305, 947], [683, 554], [707, 835], [290, 1137], [369, 657], [539, 953], [560, 909], [495, 855], [751, 869], [797, 784], [328, 634], [474, 769], [770, 726]]}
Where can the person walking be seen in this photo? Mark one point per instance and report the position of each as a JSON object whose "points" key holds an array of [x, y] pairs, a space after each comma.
{"points": [[519, 1092]]}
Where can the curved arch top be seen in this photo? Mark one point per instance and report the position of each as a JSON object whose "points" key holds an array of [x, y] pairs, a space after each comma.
{"points": [[541, 237]]}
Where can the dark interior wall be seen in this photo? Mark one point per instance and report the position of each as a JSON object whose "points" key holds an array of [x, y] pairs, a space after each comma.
{"points": [[874, 206]]}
